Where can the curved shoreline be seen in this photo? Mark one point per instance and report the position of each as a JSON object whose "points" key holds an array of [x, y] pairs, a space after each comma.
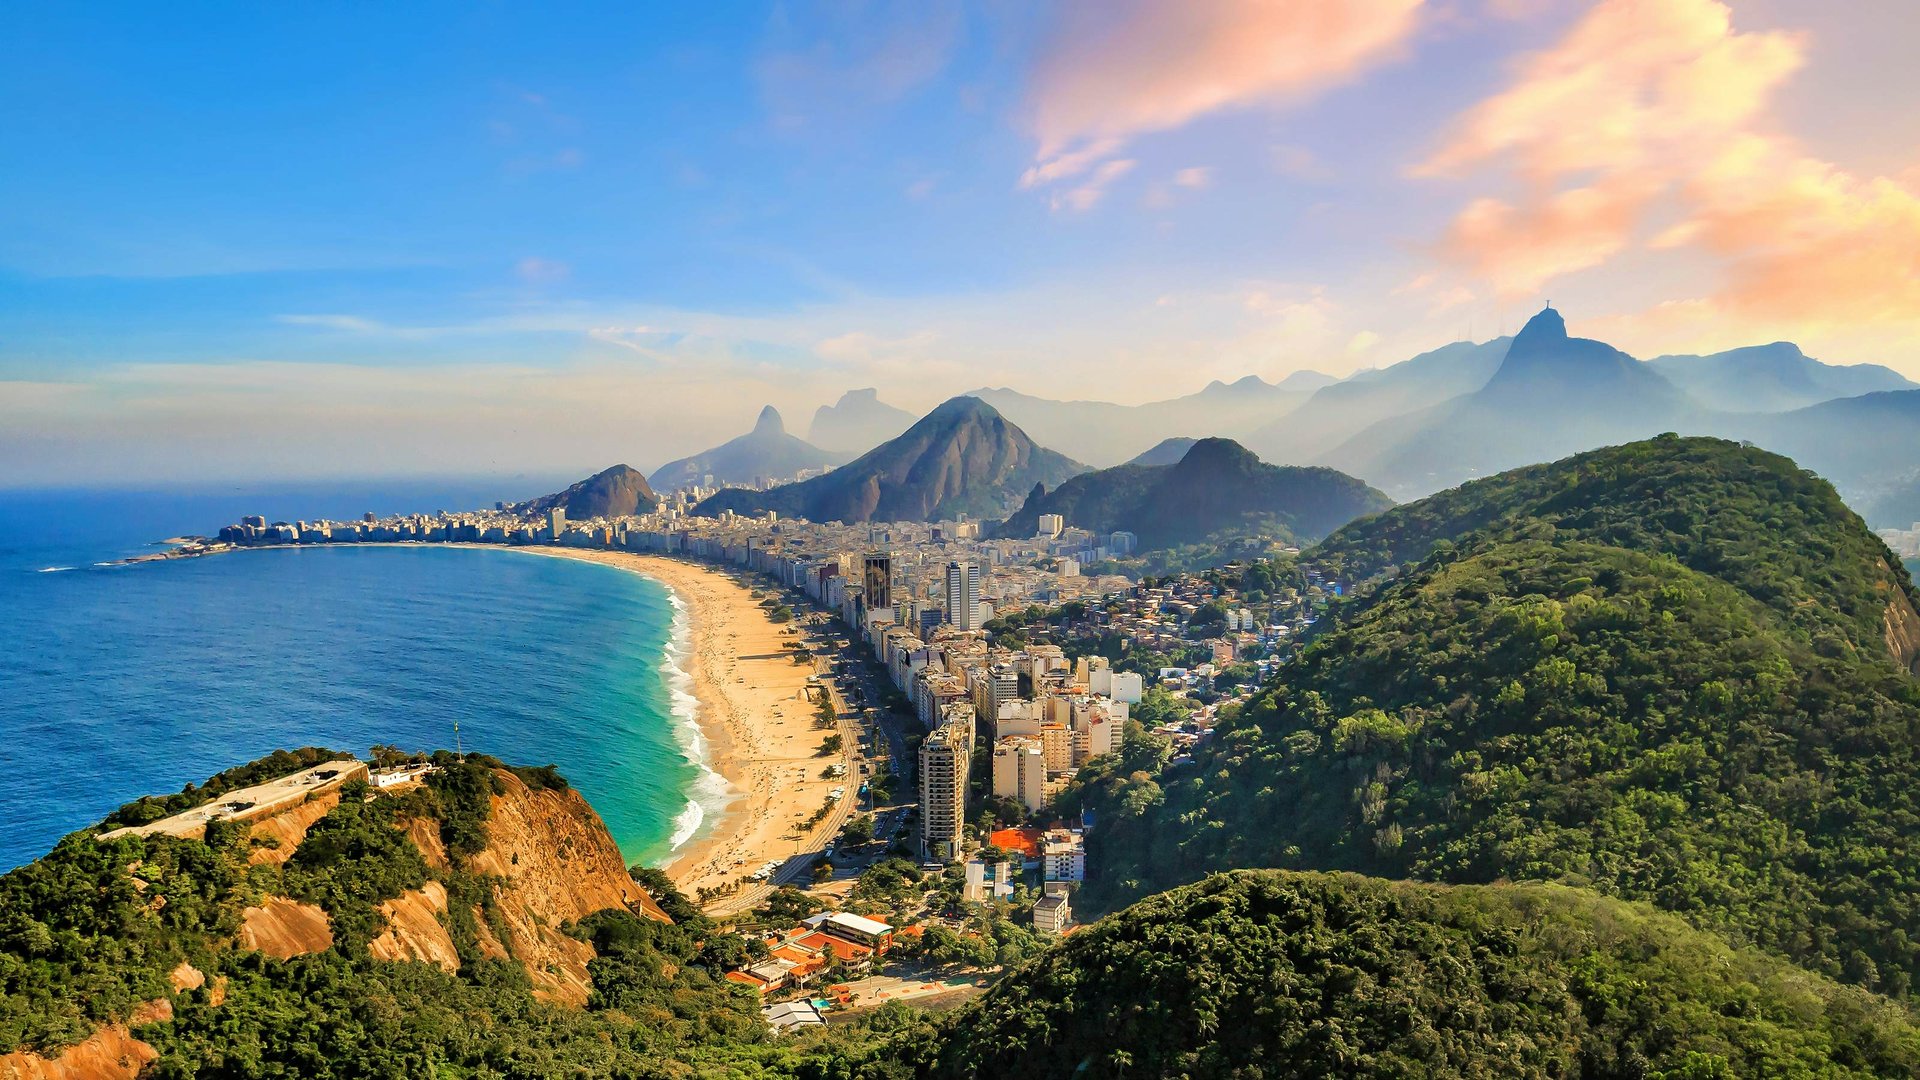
{"points": [[754, 714], [749, 708]]}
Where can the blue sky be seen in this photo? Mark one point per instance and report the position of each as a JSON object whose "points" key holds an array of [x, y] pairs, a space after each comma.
{"points": [[241, 240]]}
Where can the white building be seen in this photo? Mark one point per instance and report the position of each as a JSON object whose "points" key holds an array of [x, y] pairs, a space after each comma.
{"points": [[1063, 855], [990, 881], [963, 595], [1052, 913], [1050, 525], [1020, 771]]}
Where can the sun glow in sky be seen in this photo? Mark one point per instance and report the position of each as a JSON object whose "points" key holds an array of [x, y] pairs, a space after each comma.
{"points": [[259, 240]]}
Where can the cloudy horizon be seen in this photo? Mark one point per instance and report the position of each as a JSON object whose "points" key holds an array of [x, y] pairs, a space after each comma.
{"points": [[443, 241]]}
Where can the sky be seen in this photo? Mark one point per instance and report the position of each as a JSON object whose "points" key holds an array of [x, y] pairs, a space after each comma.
{"points": [[244, 241]]}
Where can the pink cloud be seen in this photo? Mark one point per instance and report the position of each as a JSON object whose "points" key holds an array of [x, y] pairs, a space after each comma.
{"points": [[1122, 69], [1658, 111], [1519, 248]]}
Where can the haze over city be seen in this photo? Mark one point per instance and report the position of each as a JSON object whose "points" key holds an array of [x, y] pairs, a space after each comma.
{"points": [[440, 239]]}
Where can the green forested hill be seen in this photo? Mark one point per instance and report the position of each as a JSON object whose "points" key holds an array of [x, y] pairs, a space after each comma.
{"points": [[95, 928], [1585, 702], [1748, 517], [1269, 974]]}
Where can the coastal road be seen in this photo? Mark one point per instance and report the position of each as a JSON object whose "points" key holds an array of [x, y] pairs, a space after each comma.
{"points": [[798, 868]]}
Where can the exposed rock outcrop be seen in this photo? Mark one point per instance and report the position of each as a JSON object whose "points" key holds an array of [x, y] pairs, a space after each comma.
{"points": [[111, 1053], [556, 863], [1903, 632], [416, 929], [277, 836], [282, 928]]}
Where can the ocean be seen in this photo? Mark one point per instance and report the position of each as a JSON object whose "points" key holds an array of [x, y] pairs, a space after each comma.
{"points": [[128, 680]]}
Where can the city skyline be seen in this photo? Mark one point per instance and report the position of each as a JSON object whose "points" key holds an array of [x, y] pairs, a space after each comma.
{"points": [[250, 244]]}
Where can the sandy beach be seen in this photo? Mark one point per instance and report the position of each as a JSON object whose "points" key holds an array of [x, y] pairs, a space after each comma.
{"points": [[758, 723]]}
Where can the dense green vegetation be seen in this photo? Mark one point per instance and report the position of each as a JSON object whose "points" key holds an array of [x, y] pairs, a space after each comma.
{"points": [[1266, 974], [1533, 702], [1750, 518], [94, 928]]}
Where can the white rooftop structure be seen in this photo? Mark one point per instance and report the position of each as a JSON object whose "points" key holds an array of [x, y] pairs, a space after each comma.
{"points": [[793, 1015]]}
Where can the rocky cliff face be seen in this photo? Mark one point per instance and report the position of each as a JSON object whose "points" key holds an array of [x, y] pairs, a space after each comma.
{"points": [[548, 852], [558, 864], [111, 1053], [1903, 632], [553, 862]]}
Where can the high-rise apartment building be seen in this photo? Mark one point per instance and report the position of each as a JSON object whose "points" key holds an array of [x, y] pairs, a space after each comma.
{"points": [[963, 595], [878, 581], [946, 757], [556, 522]]}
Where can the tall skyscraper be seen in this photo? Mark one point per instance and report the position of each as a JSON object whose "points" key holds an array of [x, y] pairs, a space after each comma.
{"points": [[963, 595], [556, 522], [946, 758], [878, 579]]}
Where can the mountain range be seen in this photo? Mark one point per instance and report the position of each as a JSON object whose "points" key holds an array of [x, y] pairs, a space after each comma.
{"points": [[1106, 433], [1551, 394], [858, 421], [1470, 409], [963, 458], [765, 453], [1216, 487], [1771, 378]]}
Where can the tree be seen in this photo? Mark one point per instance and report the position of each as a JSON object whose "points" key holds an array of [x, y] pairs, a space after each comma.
{"points": [[859, 830]]}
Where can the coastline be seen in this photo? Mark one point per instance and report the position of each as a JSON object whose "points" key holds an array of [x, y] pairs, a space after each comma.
{"points": [[751, 710]]}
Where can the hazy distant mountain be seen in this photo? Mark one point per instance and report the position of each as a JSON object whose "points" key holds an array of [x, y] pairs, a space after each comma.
{"points": [[1106, 433], [1897, 507], [1552, 396], [1219, 486], [765, 453], [1866, 445], [858, 421], [1166, 451], [1303, 381], [1772, 378], [615, 492], [961, 458], [1341, 410]]}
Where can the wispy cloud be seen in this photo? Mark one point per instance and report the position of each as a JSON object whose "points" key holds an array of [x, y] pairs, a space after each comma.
{"points": [[350, 323], [1121, 70], [1087, 194], [853, 57]]}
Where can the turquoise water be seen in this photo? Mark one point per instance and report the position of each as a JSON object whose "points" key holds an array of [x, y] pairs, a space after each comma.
{"points": [[129, 680]]}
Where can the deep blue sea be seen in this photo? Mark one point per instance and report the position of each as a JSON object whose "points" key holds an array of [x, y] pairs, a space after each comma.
{"points": [[120, 681]]}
